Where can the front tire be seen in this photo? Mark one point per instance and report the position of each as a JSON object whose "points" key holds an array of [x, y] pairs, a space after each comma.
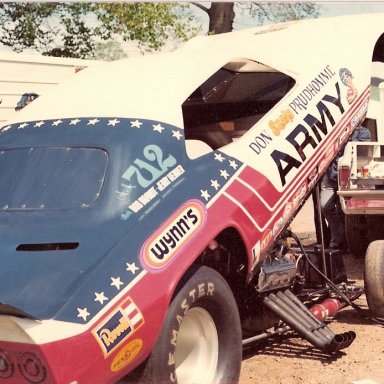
{"points": [[200, 341], [374, 277]]}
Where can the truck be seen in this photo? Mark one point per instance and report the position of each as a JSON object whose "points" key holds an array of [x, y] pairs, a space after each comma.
{"points": [[145, 207], [361, 191]]}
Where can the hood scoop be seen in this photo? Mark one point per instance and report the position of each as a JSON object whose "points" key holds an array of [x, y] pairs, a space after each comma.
{"points": [[41, 247], [6, 309]]}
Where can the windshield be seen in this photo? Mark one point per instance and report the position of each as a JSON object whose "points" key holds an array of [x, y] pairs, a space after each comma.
{"points": [[51, 178]]}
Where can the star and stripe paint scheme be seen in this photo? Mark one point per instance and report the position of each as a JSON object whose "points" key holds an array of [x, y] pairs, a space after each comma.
{"points": [[103, 207]]}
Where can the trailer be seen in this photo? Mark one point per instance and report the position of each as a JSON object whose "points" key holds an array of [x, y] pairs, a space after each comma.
{"points": [[35, 74]]}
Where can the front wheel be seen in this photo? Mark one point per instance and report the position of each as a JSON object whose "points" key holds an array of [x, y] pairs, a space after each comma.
{"points": [[200, 341], [374, 277]]}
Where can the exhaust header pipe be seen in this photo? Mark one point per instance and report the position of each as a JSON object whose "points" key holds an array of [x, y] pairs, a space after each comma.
{"points": [[292, 311]]}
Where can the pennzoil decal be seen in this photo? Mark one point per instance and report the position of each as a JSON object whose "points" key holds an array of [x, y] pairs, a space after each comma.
{"points": [[126, 355], [117, 327], [167, 241]]}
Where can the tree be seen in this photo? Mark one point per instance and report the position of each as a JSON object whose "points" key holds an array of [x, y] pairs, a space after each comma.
{"points": [[275, 12], [52, 28], [221, 15], [73, 29], [108, 51]]}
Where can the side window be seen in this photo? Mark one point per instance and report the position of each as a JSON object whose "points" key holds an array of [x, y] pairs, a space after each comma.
{"points": [[232, 100]]}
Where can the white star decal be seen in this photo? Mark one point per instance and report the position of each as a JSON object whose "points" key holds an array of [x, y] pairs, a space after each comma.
{"points": [[158, 128], [224, 173], [21, 126], [205, 194], [74, 122], [100, 297], [136, 124], [83, 313], [215, 184], [8, 127], [177, 134], [113, 122], [56, 123], [132, 268], [219, 157], [39, 124], [233, 164], [116, 282], [93, 122]]}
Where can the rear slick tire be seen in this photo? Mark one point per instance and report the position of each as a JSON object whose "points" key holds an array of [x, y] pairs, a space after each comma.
{"points": [[200, 341], [374, 278]]}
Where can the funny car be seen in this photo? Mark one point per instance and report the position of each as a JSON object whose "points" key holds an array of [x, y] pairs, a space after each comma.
{"points": [[145, 206]]}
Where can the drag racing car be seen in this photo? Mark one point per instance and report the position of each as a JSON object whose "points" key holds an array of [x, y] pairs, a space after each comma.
{"points": [[145, 207]]}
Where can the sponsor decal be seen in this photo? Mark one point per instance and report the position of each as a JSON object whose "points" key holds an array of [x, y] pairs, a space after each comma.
{"points": [[126, 355], [118, 326], [173, 235], [342, 138], [299, 195], [266, 239], [301, 102], [304, 138], [346, 78], [283, 120], [260, 142], [278, 226], [359, 116], [288, 211], [329, 155], [312, 178]]}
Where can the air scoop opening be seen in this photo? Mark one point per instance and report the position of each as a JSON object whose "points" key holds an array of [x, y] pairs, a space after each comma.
{"points": [[9, 310], [47, 247]]}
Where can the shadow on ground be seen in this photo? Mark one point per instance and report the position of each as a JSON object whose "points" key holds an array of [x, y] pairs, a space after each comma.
{"points": [[291, 346]]}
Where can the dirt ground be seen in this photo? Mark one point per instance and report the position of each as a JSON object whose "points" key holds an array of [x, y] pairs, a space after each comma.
{"points": [[290, 360]]}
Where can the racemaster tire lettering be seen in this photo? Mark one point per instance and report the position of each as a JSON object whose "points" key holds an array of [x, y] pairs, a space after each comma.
{"points": [[202, 290], [205, 290]]}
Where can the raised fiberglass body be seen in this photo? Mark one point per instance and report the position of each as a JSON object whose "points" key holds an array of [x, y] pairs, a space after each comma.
{"points": [[115, 185]]}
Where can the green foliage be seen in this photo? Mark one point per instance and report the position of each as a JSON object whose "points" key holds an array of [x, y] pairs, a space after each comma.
{"points": [[74, 29], [151, 24], [275, 12], [108, 51]]}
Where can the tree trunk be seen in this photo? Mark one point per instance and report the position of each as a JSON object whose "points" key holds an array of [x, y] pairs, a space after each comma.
{"points": [[221, 17]]}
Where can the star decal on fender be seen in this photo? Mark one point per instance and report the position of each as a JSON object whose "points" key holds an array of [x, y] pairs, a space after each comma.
{"points": [[100, 297], [116, 282], [132, 268], [83, 313]]}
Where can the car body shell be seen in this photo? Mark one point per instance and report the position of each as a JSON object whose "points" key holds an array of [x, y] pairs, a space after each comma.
{"points": [[86, 285]]}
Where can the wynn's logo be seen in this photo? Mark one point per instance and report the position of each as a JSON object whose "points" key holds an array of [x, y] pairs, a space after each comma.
{"points": [[167, 241]]}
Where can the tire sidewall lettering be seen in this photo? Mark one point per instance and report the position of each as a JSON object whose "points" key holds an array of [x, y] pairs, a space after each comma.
{"points": [[198, 294], [200, 288]]}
